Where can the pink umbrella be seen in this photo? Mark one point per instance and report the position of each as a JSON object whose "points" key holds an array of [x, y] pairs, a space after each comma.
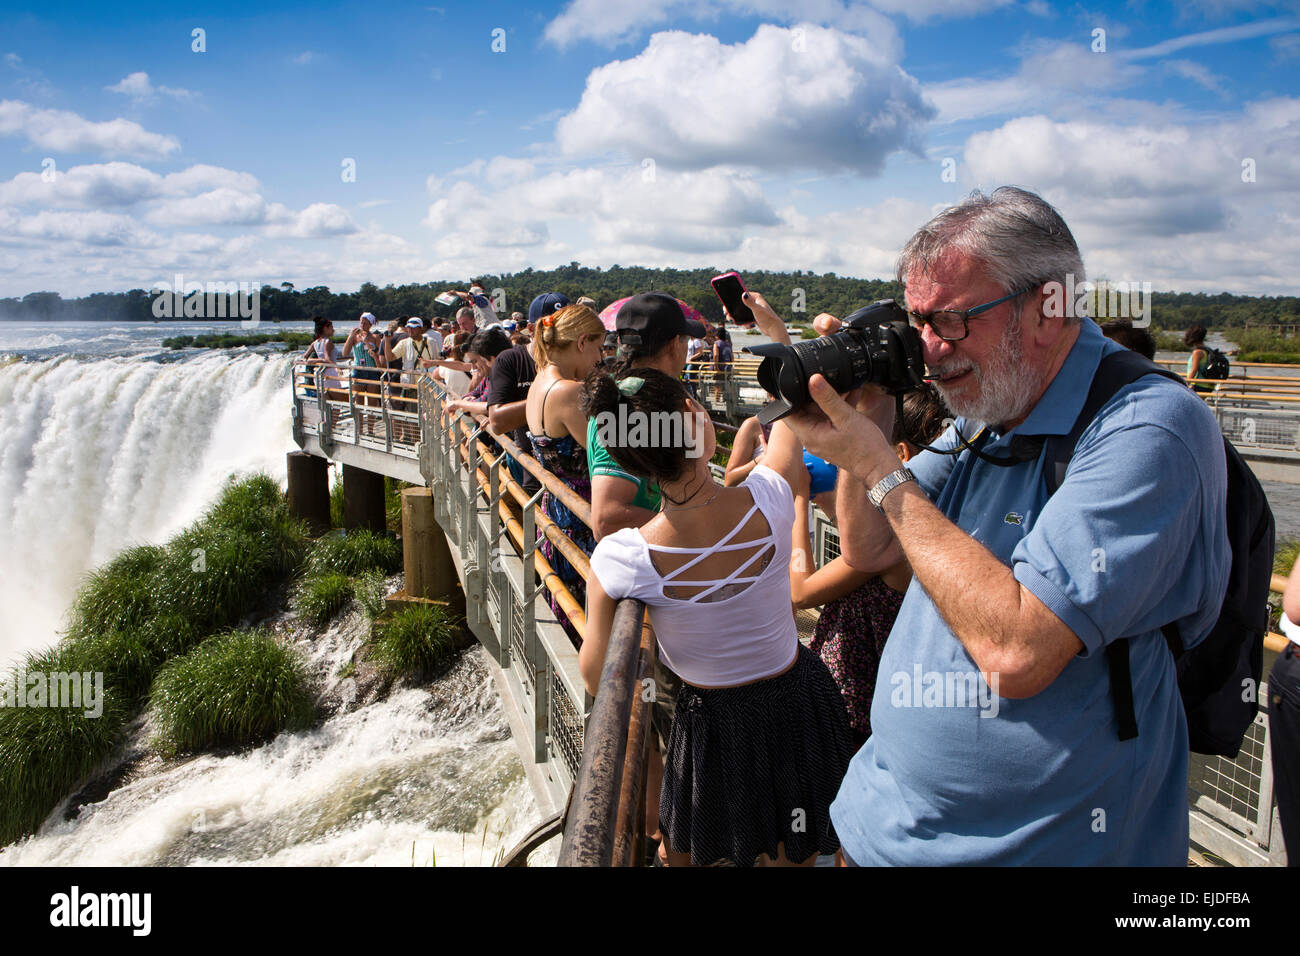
{"points": [[610, 312]]}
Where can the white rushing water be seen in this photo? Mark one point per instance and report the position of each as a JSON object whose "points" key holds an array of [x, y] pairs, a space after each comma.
{"points": [[100, 453], [106, 442]]}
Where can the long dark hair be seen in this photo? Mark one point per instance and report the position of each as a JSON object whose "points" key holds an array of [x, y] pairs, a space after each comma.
{"points": [[658, 393]]}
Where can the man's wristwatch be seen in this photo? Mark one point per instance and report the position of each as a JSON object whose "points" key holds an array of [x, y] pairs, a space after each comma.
{"points": [[887, 484]]}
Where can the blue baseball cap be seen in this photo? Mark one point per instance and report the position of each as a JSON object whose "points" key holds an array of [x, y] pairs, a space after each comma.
{"points": [[545, 304]]}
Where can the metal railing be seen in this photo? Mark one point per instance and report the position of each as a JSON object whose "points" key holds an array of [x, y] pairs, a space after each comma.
{"points": [[598, 750], [494, 528]]}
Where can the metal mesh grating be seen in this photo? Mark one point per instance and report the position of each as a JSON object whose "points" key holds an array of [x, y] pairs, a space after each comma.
{"points": [[1247, 426], [518, 651], [1234, 784], [830, 544], [565, 727]]}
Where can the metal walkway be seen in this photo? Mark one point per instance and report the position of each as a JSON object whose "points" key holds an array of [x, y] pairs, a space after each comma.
{"points": [[589, 756]]}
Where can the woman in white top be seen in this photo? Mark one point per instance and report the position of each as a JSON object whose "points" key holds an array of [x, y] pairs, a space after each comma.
{"points": [[760, 739]]}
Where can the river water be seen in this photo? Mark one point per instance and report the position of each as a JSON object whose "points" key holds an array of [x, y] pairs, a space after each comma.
{"points": [[108, 440]]}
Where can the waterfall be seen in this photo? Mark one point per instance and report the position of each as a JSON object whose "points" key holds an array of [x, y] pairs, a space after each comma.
{"points": [[98, 454]]}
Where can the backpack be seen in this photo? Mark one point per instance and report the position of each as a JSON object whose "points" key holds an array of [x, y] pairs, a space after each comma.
{"points": [[1214, 677], [1216, 366]]}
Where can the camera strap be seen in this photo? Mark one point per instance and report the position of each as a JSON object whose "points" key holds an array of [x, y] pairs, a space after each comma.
{"points": [[1023, 448]]}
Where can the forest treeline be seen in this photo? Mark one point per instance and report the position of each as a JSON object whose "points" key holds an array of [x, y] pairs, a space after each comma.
{"points": [[796, 295]]}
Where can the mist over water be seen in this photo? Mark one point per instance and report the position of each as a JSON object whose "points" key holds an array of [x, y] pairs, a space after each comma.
{"points": [[101, 453]]}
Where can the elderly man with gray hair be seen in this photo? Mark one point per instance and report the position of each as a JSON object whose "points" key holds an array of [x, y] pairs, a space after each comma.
{"points": [[996, 739]]}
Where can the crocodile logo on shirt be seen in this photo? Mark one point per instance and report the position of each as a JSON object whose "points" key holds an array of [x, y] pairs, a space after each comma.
{"points": [[1014, 517]]}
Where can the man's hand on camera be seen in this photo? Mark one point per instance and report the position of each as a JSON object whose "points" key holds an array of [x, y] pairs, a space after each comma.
{"points": [[848, 436], [826, 324], [765, 317]]}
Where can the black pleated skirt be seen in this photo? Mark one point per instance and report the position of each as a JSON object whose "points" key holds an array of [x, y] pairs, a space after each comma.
{"points": [[751, 767]]}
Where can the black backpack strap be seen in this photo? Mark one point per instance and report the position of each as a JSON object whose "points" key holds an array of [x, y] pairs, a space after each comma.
{"points": [[1121, 688], [1114, 372]]}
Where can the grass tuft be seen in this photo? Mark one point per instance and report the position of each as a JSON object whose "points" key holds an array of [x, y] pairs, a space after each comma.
{"points": [[354, 553], [417, 642], [46, 751], [117, 595], [236, 689], [320, 596]]}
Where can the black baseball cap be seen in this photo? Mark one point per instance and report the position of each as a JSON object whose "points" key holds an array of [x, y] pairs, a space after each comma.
{"points": [[657, 313]]}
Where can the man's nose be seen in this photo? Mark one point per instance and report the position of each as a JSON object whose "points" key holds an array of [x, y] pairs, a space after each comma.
{"points": [[934, 349]]}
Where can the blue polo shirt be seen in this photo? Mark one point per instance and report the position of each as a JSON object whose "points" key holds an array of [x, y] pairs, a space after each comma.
{"points": [[1133, 538]]}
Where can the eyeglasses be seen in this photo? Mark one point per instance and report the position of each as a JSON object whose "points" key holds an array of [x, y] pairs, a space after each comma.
{"points": [[952, 325]]}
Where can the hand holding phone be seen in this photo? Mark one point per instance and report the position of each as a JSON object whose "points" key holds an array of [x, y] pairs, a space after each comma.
{"points": [[729, 288]]}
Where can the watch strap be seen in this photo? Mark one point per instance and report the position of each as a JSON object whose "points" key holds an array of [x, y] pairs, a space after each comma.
{"points": [[887, 484]]}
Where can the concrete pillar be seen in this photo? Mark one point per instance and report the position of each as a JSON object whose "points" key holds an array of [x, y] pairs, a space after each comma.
{"points": [[309, 490], [430, 571], [363, 500]]}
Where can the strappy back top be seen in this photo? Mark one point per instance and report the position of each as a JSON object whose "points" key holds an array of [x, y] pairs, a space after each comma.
{"points": [[725, 631]]}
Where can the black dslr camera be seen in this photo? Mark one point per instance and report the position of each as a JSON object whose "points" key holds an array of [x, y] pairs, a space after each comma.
{"points": [[875, 345]]}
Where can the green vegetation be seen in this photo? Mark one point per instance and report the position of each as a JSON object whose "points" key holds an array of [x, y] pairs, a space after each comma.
{"points": [[416, 642], [118, 594], [235, 689], [336, 503], [1168, 341], [45, 751], [147, 606], [1266, 345], [1284, 557], [354, 552], [231, 340], [393, 502], [321, 596], [368, 589], [828, 292]]}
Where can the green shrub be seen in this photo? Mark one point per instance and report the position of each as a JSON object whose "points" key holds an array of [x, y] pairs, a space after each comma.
{"points": [[117, 595], [46, 751], [415, 642], [256, 506], [236, 689], [212, 576], [124, 657], [356, 551], [321, 596]]}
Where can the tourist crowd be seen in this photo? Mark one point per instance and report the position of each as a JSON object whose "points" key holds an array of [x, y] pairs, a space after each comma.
{"points": [[956, 704]]}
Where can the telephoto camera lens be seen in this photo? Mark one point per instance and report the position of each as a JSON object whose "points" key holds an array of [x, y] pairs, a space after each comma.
{"points": [[876, 345]]}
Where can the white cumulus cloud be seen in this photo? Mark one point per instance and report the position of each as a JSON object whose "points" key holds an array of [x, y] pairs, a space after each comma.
{"points": [[139, 88], [65, 131], [807, 97]]}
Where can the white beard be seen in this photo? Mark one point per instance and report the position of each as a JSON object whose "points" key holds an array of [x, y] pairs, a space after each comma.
{"points": [[1005, 389]]}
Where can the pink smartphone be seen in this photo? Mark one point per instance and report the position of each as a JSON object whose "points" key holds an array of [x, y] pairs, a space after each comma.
{"points": [[729, 288]]}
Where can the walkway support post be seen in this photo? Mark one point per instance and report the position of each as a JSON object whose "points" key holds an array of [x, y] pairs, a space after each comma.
{"points": [[309, 490], [430, 571], [363, 500]]}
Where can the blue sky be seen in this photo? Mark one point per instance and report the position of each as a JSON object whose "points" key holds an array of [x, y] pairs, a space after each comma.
{"points": [[497, 136]]}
